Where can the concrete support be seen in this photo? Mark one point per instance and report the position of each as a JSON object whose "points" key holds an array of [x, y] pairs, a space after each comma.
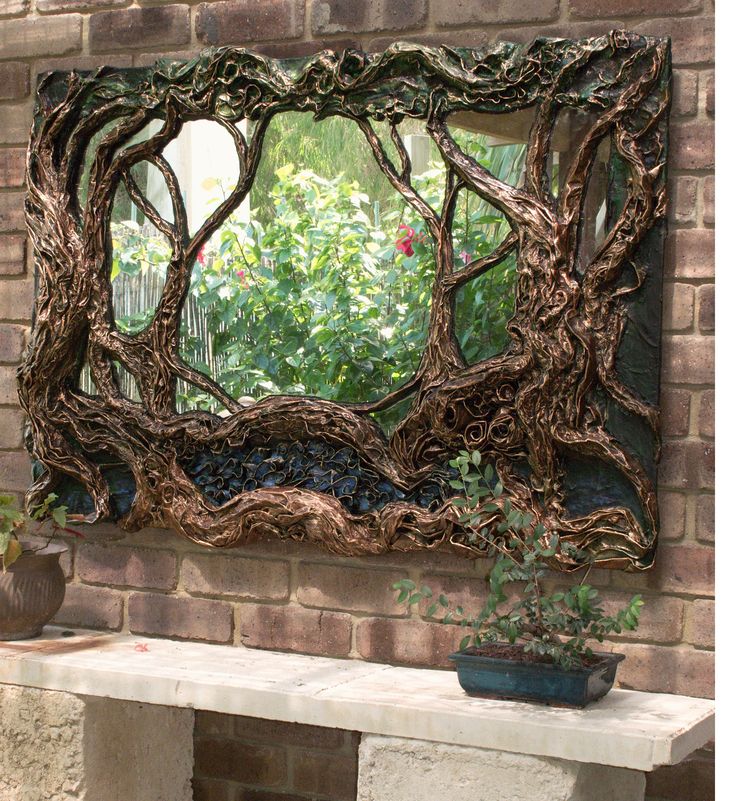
{"points": [[398, 769], [62, 747]]}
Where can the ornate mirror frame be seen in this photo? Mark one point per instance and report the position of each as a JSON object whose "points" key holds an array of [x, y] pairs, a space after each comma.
{"points": [[567, 414]]}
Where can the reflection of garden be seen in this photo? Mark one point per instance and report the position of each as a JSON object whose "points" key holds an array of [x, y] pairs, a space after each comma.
{"points": [[324, 288]]}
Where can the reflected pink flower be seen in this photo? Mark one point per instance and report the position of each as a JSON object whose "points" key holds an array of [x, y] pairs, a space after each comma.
{"points": [[403, 243], [465, 257], [200, 255]]}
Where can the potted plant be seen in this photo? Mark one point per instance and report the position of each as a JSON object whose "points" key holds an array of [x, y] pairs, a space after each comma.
{"points": [[32, 583], [536, 647]]}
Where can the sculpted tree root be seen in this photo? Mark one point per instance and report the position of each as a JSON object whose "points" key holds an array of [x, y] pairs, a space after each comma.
{"points": [[525, 409]]}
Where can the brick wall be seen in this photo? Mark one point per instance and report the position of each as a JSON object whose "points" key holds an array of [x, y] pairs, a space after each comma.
{"points": [[292, 597]]}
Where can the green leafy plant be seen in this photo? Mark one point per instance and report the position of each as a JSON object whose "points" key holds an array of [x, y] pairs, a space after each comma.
{"points": [[13, 521], [555, 625]]}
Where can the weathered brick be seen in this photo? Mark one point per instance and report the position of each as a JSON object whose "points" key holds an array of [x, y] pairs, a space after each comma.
{"points": [[16, 122], [60, 6], [276, 732], [211, 789], [11, 428], [701, 623], [663, 669], [693, 39], [233, 22], [687, 464], [14, 8], [188, 618], [41, 36], [407, 642], [302, 49], [672, 508], [683, 204], [662, 617], [12, 167], [464, 38], [66, 64], [692, 145], [12, 342], [632, 8], [12, 255], [336, 586], [291, 628], [709, 200], [148, 568], [705, 518], [138, 28], [216, 724], [688, 359], [707, 308], [679, 307], [329, 775], [472, 12], [14, 80], [246, 578], [8, 390], [15, 470], [91, 608], [682, 569], [706, 414], [684, 93], [16, 300], [675, 406], [693, 779], [564, 30], [12, 215], [263, 766], [710, 94], [469, 593], [355, 16], [690, 253]]}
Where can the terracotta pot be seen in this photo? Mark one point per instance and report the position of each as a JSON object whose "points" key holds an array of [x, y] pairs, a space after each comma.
{"points": [[31, 592]]}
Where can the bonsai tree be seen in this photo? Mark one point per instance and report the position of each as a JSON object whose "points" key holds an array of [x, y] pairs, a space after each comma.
{"points": [[12, 521], [555, 626]]}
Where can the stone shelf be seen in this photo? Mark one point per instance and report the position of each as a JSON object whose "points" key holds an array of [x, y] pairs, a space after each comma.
{"points": [[633, 730]]}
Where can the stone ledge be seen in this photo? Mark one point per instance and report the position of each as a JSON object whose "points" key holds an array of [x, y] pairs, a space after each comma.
{"points": [[626, 729]]}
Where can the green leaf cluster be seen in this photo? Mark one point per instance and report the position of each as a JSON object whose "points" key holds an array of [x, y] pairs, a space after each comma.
{"points": [[12, 520], [556, 624]]}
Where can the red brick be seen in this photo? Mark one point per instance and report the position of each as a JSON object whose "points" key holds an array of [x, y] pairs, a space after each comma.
{"points": [[245, 21], [336, 586], [675, 408], [60, 6], [302, 49], [12, 342], [683, 200], [692, 145], [16, 122], [468, 593], [663, 669], [707, 308], [661, 621], [91, 608], [291, 628], [679, 307], [14, 80], [14, 8], [701, 624], [682, 569], [693, 39], [215, 724], [210, 790], [86, 62], [138, 28], [464, 38], [188, 618], [690, 253], [692, 779], [339, 16], [246, 578], [15, 471], [706, 414], [41, 36], [8, 389], [148, 568], [565, 30], [241, 793], [12, 216], [12, 255], [240, 762], [710, 94], [276, 732], [632, 8], [672, 508], [16, 301], [325, 774], [684, 93], [472, 12], [407, 642], [687, 464], [11, 428], [688, 359], [705, 523], [709, 200]]}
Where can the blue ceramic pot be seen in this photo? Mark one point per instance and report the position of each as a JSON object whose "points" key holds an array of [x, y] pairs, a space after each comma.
{"points": [[497, 677]]}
